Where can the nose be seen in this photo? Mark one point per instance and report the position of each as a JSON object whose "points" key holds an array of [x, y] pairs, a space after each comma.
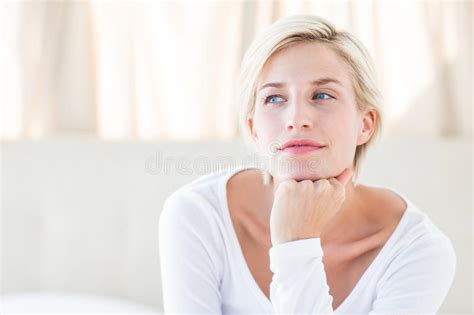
{"points": [[298, 117]]}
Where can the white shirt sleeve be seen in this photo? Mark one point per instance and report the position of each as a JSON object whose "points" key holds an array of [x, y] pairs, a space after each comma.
{"points": [[299, 281], [416, 281], [190, 267]]}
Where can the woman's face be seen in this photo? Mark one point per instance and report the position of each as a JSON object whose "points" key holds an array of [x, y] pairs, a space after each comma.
{"points": [[305, 92]]}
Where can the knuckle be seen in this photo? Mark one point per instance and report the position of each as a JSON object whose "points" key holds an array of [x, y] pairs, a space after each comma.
{"points": [[336, 184], [322, 184], [306, 184], [286, 185]]}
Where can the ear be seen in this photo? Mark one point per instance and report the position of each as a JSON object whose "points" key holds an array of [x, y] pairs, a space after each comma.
{"points": [[250, 126], [369, 119]]}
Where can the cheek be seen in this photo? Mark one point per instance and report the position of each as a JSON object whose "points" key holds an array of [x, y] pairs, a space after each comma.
{"points": [[343, 134], [267, 126], [347, 124]]}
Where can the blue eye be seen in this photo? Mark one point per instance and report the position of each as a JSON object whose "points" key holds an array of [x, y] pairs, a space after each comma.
{"points": [[317, 95], [274, 99]]}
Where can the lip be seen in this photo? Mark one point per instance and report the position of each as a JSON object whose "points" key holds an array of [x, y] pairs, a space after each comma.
{"points": [[301, 142], [297, 146]]}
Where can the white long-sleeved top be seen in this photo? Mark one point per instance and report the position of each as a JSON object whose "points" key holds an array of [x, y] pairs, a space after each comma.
{"points": [[204, 271]]}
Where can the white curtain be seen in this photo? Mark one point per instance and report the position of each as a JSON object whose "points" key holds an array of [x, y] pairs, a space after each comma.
{"points": [[168, 70]]}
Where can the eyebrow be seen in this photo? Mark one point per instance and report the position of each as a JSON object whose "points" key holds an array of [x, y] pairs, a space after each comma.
{"points": [[321, 81]]}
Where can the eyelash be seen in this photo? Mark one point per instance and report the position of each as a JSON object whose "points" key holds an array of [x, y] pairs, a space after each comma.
{"points": [[267, 98]]}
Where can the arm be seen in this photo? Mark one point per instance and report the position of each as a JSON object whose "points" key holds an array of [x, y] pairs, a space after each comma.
{"points": [[417, 280], [299, 282], [190, 270]]}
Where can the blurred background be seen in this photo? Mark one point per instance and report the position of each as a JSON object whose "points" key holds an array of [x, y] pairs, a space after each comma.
{"points": [[107, 107]]}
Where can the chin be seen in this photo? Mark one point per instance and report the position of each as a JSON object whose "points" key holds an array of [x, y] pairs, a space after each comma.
{"points": [[300, 176], [300, 169]]}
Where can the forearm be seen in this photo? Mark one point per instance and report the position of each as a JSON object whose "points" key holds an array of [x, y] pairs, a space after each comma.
{"points": [[299, 282]]}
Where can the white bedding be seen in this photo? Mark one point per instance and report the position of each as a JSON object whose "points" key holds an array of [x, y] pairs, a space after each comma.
{"points": [[68, 303]]}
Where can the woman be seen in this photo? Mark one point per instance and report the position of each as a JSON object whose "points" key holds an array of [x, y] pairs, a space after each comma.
{"points": [[305, 239]]}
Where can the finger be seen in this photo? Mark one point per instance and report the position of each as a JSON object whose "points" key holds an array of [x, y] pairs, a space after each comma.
{"points": [[345, 176], [322, 184], [287, 184]]}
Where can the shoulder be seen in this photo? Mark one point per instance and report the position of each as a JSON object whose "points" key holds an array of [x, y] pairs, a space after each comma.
{"points": [[383, 207], [192, 218], [200, 200], [423, 239], [421, 248], [416, 232], [419, 276], [418, 227], [420, 264], [424, 259], [204, 188], [245, 186], [190, 232]]}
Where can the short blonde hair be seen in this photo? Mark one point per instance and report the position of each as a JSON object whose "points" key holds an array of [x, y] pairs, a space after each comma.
{"points": [[296, 29]]}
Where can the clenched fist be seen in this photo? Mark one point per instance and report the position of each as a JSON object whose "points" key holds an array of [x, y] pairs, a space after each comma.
{"points": [[302, 209]]}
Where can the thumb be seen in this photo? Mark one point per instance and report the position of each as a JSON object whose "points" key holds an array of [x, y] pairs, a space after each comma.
{"points": [[345, 176]]}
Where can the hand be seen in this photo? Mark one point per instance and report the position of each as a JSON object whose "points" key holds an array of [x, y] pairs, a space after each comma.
{"points": [[301, 209]]}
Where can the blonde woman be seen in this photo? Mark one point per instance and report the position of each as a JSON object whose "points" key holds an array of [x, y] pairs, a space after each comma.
{"points": [[299, 235]]}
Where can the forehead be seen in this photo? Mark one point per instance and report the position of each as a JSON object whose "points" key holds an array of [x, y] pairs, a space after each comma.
{"points": [[303, 62]]}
